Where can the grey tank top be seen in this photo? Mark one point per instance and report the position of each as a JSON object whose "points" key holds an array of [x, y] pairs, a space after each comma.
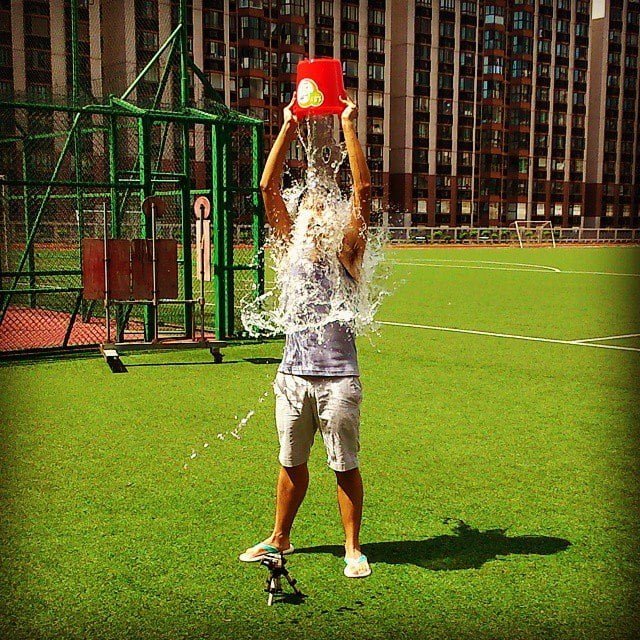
{"points": [[328, 349]]}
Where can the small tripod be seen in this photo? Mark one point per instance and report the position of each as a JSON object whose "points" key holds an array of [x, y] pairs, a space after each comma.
{"points": [[275, 563]]}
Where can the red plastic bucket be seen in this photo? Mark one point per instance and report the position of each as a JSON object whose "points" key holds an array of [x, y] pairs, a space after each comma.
{"points": [[319, 87]]}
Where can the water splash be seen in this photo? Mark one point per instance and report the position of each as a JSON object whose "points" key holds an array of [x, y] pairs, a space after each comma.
{"points": [[321, 214]]}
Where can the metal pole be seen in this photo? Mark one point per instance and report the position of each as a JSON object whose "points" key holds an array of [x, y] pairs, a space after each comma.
{"points": [[227, 223], [27, 227], [154, 262], [257, 227], [217, 216], [5, 222], [202, 257], [105, 233], [187, 267]]}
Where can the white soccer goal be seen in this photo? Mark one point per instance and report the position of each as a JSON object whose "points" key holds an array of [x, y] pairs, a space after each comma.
{"points": [[534, 232]]}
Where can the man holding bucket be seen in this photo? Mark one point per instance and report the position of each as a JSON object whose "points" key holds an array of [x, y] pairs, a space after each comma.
{"points": [[318, 386]]}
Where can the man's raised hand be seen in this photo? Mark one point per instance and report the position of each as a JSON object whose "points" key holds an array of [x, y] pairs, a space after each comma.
{"points": [[350, 111], [287, 113]]}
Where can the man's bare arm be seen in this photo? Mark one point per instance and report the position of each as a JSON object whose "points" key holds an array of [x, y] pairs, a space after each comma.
{"points": [[275, 208], [354, 242]]}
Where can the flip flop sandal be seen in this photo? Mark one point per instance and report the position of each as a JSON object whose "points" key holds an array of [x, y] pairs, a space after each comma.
{"points": [[357, 567], [268, 548]]}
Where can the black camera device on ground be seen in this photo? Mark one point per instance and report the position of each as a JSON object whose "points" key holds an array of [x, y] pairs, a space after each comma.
{"points": [[275, 562]]}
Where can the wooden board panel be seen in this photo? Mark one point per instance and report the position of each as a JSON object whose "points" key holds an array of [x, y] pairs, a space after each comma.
{"points": [[119, 252], [167, 255], [141, 270], [93, 269]]}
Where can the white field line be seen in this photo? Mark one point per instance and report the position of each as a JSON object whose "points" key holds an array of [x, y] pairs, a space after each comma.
{"points": [[536, 268], [509, 335], [626, 335], [508, 264], [465, 266]]}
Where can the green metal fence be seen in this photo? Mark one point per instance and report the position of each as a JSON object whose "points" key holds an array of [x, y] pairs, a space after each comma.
{"points": [[60, 162]]}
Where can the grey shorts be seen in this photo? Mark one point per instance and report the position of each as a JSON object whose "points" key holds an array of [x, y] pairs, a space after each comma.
{"points": [[305, 404]]}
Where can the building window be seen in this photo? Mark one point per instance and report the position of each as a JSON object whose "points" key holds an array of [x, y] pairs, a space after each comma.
{"points": [[421, 103], [523, 20], [493, 14], [468, 7], [324, 36], [492, 64], [562, 73], [468, 33], [216, 80], [466, 83], [544, 46], [37, 59], [520, 68], [493, 39], [148, 40], [375, 72], [374, 99], [350, 12], [521, 44], [213, 19], [445, 81], [376, 44], [36, 26], [289, 62], [375, 126], [324, 8], [350, 40], [291, 7], [217, 49], [252, 28], [447, 29], [447, 5], [421, 129], [376, 16], [149, 9]]}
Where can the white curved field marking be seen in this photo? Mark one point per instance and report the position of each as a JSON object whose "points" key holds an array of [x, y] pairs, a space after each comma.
{"points": [[605, 273], [509, 264], [468, 266], [626, 335], [510, 335], [536, 268]]}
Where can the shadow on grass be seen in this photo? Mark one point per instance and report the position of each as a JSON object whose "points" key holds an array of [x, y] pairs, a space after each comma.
{"points": [[465, 548], [207, 363], [181, 364], [200, 364]]}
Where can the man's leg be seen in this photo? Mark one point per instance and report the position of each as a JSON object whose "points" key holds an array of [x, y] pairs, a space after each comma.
{"points": [[350, 499], [291, 489]]}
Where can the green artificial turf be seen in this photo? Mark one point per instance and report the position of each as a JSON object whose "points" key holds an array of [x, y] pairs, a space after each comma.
{"points": [[501, 474]]}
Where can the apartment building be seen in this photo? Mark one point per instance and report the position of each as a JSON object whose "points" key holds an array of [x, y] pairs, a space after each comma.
{"points": [[473, 112], [613, 153]]}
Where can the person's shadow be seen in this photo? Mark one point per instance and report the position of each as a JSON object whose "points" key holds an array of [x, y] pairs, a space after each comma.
{"points": [[465, 548]]}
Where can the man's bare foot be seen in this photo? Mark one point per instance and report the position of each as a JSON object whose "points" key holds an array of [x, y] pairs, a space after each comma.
{"points": [[357, 563], [270, 545]]}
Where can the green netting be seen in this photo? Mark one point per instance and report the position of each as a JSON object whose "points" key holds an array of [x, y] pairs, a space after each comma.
{"points": [[63, 161]]}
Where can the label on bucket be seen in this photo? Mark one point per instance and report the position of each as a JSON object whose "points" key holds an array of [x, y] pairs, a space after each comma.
{"points": [[308, 94]]}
